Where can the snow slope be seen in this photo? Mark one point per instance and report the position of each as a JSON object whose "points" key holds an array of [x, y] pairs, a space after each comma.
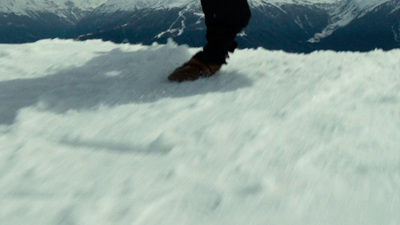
{"points": [[93, 133]]}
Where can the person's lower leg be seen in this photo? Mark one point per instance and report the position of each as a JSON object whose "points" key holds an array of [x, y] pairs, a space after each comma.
{"points": [[224, 20]]}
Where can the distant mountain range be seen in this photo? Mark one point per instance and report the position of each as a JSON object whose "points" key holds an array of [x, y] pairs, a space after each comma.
{"points": [[289, 25]]}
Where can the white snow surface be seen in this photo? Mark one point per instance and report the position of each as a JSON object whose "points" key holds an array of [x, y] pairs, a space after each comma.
{"points": [[93, 133]]}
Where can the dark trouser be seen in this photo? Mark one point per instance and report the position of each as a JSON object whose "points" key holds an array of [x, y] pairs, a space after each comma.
{"points": [[224, 20]]}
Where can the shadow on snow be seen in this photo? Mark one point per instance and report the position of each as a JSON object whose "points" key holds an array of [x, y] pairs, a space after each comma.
{"points": [[112, 78]]}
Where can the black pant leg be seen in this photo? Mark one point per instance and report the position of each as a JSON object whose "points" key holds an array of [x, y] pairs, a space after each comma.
{"points": [[224, 20]]}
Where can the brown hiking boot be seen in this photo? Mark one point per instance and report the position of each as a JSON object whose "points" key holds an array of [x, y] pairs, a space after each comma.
{"points": [[193, 70]]}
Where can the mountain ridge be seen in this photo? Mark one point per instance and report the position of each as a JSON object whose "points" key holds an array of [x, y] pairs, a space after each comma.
{"points": [[290, 25]]}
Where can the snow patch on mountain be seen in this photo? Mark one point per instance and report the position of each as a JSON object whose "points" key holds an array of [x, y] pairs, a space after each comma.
{"points": [[178, 30]]}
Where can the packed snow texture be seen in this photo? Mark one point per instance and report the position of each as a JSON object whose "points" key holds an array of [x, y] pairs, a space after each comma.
{"points": [[93, 133]]}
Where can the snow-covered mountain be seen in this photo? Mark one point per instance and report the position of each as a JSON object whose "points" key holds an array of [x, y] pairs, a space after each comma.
{"points": [[291, 25], [346, 11], [70, 9], [30, 20], [362, 26]]}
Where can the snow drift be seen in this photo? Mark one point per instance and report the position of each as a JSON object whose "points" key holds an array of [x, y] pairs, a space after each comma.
{"points": [[93, 133]]}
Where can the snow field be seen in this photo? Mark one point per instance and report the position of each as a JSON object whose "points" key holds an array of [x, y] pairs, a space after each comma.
{"points": [[93, 133]]}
